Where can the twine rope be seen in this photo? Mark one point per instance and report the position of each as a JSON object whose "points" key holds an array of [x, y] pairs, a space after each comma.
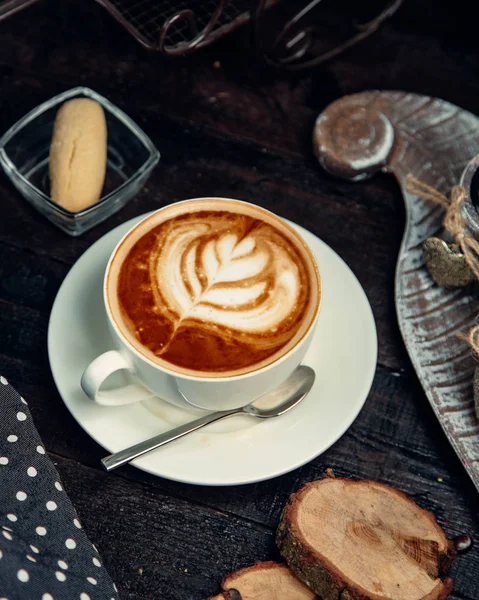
{"points": [[455, 224]]}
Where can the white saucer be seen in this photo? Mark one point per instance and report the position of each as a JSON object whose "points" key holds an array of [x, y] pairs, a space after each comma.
{"points": [[241, 450]]}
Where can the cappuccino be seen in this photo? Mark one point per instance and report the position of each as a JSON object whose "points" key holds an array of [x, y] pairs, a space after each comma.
{"points": [[219, 287]]}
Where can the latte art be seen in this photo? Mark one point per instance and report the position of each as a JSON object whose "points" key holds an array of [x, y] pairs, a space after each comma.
{"points": [[213, 290], [238, 280]]}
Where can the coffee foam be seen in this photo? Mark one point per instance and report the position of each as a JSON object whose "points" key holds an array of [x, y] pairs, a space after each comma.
{"points": [[230, 278]]}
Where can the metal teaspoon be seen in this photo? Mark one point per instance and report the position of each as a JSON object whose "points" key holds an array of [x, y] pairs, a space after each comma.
{"points": [[272, 404]]}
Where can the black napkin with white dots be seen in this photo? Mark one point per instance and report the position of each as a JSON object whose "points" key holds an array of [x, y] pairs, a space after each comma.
{"points": [[44, 552]]}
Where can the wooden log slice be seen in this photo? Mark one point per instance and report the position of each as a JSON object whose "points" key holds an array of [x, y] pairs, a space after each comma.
{"points": [[361, 540], [229, 595], [266, 580]]}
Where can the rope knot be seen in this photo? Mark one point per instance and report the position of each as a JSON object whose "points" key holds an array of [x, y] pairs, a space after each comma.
{"points": [[454, 221]]}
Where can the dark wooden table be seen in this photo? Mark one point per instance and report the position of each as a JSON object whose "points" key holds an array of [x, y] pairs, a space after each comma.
{"points": [[227, 127]]}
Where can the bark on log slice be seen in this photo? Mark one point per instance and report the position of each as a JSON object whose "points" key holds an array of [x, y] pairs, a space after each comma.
{"points": [[270, 580], [361, 540], [230, 595]]}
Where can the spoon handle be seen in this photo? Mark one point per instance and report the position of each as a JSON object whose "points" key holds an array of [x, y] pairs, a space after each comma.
{"points": [[124, 456]]}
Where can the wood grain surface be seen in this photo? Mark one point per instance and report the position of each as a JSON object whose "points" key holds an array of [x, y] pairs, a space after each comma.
{"points": [[237, 130]]}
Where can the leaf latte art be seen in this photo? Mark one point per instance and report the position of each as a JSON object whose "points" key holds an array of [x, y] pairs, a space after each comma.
{"points": [[214, 290]]}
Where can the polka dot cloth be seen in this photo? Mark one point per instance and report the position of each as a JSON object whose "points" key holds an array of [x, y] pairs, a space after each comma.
{"points": [[44, 551]]}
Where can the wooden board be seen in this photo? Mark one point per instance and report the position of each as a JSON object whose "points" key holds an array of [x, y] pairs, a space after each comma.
{"points": [[434, 140], [238, 131]]}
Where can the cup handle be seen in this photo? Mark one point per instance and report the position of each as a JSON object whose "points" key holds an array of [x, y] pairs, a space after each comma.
{"points": [[97, 371]]}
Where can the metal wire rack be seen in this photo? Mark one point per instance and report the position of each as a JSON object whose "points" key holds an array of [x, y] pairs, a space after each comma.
{"points": [[10, 7], [179, 26]]}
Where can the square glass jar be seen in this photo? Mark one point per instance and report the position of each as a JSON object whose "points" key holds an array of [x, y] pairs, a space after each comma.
{"points": [[24, 156]]}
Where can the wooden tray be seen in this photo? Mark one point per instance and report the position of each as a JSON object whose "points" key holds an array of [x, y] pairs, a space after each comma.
{"points": [[403, 133]]}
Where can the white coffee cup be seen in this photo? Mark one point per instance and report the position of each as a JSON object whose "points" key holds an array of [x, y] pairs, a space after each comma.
{"points": [[201, 390]]}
